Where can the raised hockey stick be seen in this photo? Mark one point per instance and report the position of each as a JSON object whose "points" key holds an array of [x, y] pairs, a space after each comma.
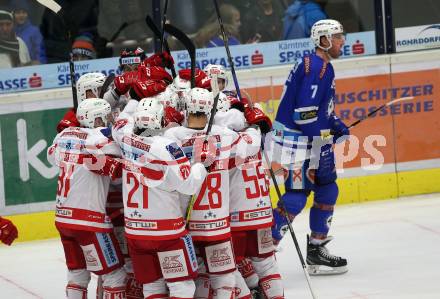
{"points": [[52, 5], [228, 52], [157, 33], [272, 174], [189, 46], [106, 84], [164, 19], [380, 108]]}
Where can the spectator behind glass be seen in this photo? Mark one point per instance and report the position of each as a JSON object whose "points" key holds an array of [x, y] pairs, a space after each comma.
{"points": [[29, 33], [263, 22], [83, 48], [210, 35], [300, 17], [13, 50]]}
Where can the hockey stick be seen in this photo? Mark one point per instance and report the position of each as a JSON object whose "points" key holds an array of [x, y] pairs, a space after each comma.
{"points": [[228, 52], [55, 8], [272, 174], [164, 19], [50, 4], [186, 41], [157, 33], [106, 84], [380, 108]]}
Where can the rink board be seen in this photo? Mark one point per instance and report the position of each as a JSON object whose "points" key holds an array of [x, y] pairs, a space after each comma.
{"points": [[407, 137]]}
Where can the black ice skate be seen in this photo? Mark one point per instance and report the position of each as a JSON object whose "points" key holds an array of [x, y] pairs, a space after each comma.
{"points": [[321, 262]]}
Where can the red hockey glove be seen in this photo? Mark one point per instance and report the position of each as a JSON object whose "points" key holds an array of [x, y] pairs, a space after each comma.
{"points": [[111, 167], [124, 82], [155, 73], [236, 103], [201, 79], [145, 89], [8, 231], [171, 115], [257, 117], [160, 59], [69, 120]]}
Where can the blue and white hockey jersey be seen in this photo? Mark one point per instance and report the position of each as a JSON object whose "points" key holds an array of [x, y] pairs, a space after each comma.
{"points": [[305, 117]]}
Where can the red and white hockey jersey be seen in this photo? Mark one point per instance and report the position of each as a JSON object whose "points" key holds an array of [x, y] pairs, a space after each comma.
{"points": [[209, 218], [81, 198], [155, 171], [250, 205]]}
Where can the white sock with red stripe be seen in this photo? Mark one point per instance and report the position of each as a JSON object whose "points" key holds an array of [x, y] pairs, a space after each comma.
{"points": [[155, 290], [222, 285], [241, 289], [270, 278], [182, 289], [247, 271], [76, 292]]}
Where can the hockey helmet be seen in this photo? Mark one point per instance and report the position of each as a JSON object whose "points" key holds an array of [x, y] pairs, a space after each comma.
{"points": [[223, 103], [130, 59], [326, 28], [168, 98], [217, 69], [90, 81], [149, 114], [199, 100], [88, 111]]}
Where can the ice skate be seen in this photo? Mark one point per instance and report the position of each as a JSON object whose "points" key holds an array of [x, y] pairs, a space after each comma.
{"points": [[321, 262]]}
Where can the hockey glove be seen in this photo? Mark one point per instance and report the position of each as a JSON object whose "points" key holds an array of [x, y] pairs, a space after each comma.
{"points": [[257, 117], [155, 73], [8, 231], [338, 129], [145, 89], [160, 59], [69, 120], [200, 78], [236, 103], [171, 115], [124, 82]]}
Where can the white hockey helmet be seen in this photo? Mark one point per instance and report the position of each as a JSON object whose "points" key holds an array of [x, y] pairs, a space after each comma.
{"points": [[199, 100], [326, 28], [149, 114], [168, 98], [90, 81], [223, 103], [88, 111], [218, 69], [180, 84]]}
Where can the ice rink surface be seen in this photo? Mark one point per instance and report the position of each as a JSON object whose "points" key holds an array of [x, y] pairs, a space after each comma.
{"points": [[392, 247]]}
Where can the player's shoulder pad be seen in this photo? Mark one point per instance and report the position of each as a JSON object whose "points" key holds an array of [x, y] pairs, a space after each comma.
{"points": [[313, 64]]}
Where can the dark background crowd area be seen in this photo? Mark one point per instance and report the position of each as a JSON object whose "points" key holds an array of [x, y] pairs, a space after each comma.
{"points": [[92, 26]]}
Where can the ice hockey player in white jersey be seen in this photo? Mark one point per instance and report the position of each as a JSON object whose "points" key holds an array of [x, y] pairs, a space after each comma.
{"points": [[155, 171], [250, 205], [209, 222], [85, 156]]}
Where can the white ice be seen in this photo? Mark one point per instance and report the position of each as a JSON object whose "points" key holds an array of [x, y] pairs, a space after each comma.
{"points": [[392, 247]]}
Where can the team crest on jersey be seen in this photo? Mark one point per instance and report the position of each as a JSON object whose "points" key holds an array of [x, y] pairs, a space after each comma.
{"points": [[175, 150], [173, 264]]}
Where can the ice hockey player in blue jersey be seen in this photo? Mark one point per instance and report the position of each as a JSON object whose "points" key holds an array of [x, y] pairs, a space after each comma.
{"points": [[307, 127]]}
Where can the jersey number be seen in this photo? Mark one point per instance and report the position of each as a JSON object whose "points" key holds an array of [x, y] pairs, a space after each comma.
{"points": [[314, 88], [260, 190], [64, 180], [132, 177], [212, 185]]}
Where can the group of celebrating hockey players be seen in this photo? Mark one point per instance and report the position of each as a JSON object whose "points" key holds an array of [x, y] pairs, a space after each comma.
{"points": [[159, 207]]}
